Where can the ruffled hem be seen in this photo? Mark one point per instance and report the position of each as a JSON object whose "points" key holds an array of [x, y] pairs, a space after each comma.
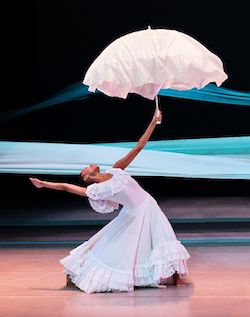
{"points": [[91, 275], [163, 262]]}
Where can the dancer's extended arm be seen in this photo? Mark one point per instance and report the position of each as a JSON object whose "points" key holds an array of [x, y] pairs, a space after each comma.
{"points": [[126, 160], [74, 189]]}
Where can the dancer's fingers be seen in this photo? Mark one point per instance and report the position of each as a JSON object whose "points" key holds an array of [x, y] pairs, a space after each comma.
{"points": [[36, 182]]}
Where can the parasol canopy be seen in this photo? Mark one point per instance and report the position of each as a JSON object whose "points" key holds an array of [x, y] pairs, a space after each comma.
{"points": [[146, 61]]}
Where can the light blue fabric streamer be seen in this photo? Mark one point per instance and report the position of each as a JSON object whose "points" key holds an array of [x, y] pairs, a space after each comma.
{"points": [[220, 146], [227, 158], [211, 93], [73, 92], [78, 91], [219, 158]]}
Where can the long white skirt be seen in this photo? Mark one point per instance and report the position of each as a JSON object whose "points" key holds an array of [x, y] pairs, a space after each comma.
{"points": [[137, 248]]}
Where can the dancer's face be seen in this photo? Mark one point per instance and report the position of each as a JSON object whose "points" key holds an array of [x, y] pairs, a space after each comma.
{"points": [[90, 170]]}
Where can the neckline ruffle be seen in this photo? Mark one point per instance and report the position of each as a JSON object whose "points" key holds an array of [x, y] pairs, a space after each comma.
{"points": [[119, 179], [100, 194]]}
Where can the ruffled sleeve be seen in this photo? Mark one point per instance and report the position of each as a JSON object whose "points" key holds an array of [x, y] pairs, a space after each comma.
{"points": [[103, 206], [97, 196], [100, 194], [98, 191]]}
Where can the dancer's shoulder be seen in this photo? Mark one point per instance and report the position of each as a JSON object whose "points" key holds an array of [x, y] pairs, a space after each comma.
{"points": [[116, 171]]}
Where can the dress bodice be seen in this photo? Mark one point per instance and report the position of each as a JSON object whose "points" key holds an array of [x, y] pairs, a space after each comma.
{"points": [[121, 188]]}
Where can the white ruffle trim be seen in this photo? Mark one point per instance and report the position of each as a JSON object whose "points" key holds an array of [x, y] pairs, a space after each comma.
{"points": [[103, 206], [98, 193], [91, 275]]}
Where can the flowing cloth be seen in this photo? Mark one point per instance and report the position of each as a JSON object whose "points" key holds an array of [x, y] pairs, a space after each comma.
{"points": [[208, 158], [136, 248]]}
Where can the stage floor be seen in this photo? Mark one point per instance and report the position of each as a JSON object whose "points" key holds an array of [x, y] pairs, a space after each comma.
{"points": [[32, 284]]}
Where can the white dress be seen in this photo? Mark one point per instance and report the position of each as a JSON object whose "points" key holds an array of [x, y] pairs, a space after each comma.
{"points": [[136, 248]]}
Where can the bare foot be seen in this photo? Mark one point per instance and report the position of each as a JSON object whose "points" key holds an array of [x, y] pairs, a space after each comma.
{"points": [[177, 280], [167, 281], [69, 283], [172, 280]]}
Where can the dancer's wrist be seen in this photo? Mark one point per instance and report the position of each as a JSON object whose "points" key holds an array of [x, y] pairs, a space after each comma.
{"points": [[157, 117]]}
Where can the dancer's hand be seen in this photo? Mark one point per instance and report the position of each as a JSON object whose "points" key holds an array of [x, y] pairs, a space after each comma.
{"points": [[36, 182], [157, 117]]}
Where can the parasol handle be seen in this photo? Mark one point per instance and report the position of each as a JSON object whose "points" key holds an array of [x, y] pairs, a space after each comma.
{"points": [[157, 108]]}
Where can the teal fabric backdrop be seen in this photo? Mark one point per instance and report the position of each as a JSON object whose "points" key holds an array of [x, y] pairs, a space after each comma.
{"points": [[77, 91], [222, 158]]}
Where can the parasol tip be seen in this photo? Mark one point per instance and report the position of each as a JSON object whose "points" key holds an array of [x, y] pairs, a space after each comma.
{"points": [[149, 27]]}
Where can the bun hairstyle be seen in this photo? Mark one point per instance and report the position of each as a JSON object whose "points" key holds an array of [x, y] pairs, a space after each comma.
{"points": [[83, 182]]}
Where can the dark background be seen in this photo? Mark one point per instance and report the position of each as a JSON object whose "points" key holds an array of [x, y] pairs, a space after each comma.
{"points": [[48, 45]]}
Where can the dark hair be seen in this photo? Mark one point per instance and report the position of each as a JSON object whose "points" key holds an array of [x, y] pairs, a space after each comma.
{"points": [[82, 182]]}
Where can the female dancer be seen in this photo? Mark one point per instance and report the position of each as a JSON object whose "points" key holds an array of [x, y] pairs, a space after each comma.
{"points": [[136, 248]]}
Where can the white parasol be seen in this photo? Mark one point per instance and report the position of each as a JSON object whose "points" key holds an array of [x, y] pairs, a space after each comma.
{"points": [[144, 62]]}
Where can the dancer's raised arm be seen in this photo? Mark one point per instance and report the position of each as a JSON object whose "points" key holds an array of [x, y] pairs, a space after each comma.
{"points": [[74, 189], [126, 160]]}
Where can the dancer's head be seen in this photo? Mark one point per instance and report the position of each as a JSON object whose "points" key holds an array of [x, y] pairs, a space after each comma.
{"points": [[89, 173]]}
